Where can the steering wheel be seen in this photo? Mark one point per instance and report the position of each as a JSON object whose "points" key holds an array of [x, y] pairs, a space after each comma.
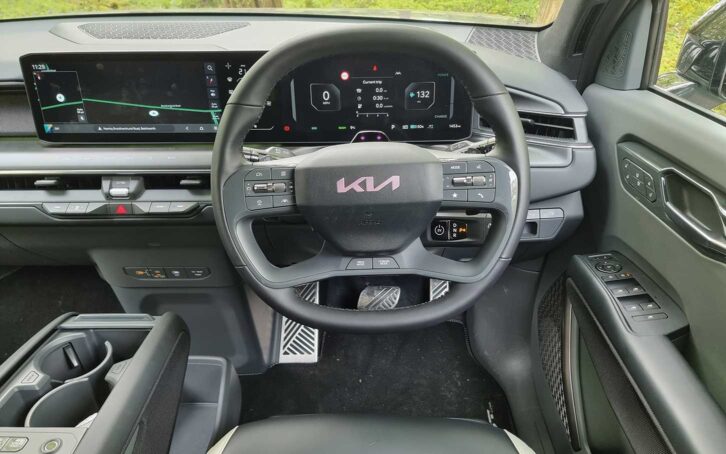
{"points": [[370, 202]]}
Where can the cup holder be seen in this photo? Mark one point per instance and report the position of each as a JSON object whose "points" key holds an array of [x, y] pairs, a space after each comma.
{"points": [[78, 397]]}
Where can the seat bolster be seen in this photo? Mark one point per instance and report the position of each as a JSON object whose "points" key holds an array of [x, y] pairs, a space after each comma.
{"points": [[368, 434]]}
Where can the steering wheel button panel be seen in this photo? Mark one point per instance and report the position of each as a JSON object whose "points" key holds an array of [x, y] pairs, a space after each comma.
{"points": [[455, 167], [259, 203], [479, 166], [263, 173], [283, 200], [455, 195], [480, 195], [281, 173]]}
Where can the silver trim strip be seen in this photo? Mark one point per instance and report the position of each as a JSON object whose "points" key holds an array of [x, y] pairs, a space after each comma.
{"points": [[519, 445], [100, 171], [221, 445]]}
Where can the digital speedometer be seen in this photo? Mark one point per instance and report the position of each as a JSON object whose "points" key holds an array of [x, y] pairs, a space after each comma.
{"points": [[403, 97], [175, 97]]}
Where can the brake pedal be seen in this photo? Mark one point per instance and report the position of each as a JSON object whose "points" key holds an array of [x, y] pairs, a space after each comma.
{"points": [[379, 297], [299, 343], [437, 288]]}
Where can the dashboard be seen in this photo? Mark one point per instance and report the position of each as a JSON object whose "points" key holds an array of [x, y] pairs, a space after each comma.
{"points": [[180, 97], [148, 96]]}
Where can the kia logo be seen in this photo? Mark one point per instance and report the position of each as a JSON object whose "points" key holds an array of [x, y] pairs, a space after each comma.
{"points": [[368, 184]]}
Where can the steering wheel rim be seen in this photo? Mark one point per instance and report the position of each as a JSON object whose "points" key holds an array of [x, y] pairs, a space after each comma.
{"points": [[509, 164]]}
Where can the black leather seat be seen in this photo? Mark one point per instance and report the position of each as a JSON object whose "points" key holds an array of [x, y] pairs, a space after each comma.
{"points": [[358, 434]]}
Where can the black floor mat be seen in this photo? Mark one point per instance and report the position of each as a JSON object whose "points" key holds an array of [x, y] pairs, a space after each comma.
{"points": [[32, 297], [421, 373]]}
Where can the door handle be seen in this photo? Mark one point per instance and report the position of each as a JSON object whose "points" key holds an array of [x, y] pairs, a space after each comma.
{"points": [[695, 210]]}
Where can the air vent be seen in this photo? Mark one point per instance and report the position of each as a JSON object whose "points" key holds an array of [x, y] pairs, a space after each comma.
{"points": [[49, 183], [12, 86], [543, 125], [158, 30], [176, 181]]}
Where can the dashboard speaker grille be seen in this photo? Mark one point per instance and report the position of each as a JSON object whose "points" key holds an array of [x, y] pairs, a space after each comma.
{"points": [[158, 30], [520, 43]]}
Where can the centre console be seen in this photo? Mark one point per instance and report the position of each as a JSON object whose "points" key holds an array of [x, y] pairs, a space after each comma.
{"points": [[98, 383]]}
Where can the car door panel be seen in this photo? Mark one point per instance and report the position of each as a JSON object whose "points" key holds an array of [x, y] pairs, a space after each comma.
{"points": [[653, 391], [663, 137]]}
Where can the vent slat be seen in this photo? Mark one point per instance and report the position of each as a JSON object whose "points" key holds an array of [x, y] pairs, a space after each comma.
{"points": [[543, 125], [65, 182], [176, 181]]}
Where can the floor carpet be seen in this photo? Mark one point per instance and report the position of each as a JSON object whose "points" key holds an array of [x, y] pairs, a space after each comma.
{"points": [[421, 373], [31, 297]]}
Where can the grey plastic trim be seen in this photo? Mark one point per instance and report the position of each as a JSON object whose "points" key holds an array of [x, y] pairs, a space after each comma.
{"points": [[29, 156]]}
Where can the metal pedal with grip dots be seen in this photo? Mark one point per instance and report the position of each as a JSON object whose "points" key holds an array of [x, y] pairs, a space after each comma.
{"points": [[299, 343], [379, 297]]}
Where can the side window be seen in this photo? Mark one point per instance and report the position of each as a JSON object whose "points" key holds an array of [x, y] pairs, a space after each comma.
{"points": [[693, 64]]}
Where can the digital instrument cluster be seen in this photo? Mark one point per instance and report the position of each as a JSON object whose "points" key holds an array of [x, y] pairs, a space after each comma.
{"points": [[180, 97]]}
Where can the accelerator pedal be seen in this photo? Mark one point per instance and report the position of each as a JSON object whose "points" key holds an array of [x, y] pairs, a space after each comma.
{"points": [[437, 288], [379, 297], [299, 343]]}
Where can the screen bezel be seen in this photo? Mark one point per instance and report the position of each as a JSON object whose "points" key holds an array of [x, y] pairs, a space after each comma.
{"points": [[27, 60]]}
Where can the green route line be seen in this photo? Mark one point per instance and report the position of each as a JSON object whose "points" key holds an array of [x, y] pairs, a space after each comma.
{"points": [[63, 104], [129, 104]]}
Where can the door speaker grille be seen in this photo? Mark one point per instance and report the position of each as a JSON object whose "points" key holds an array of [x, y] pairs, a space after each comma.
{"points": [[550, 318]]}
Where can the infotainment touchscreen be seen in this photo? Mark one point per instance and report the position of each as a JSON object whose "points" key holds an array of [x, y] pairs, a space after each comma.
{"points": [[179, 97]]}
